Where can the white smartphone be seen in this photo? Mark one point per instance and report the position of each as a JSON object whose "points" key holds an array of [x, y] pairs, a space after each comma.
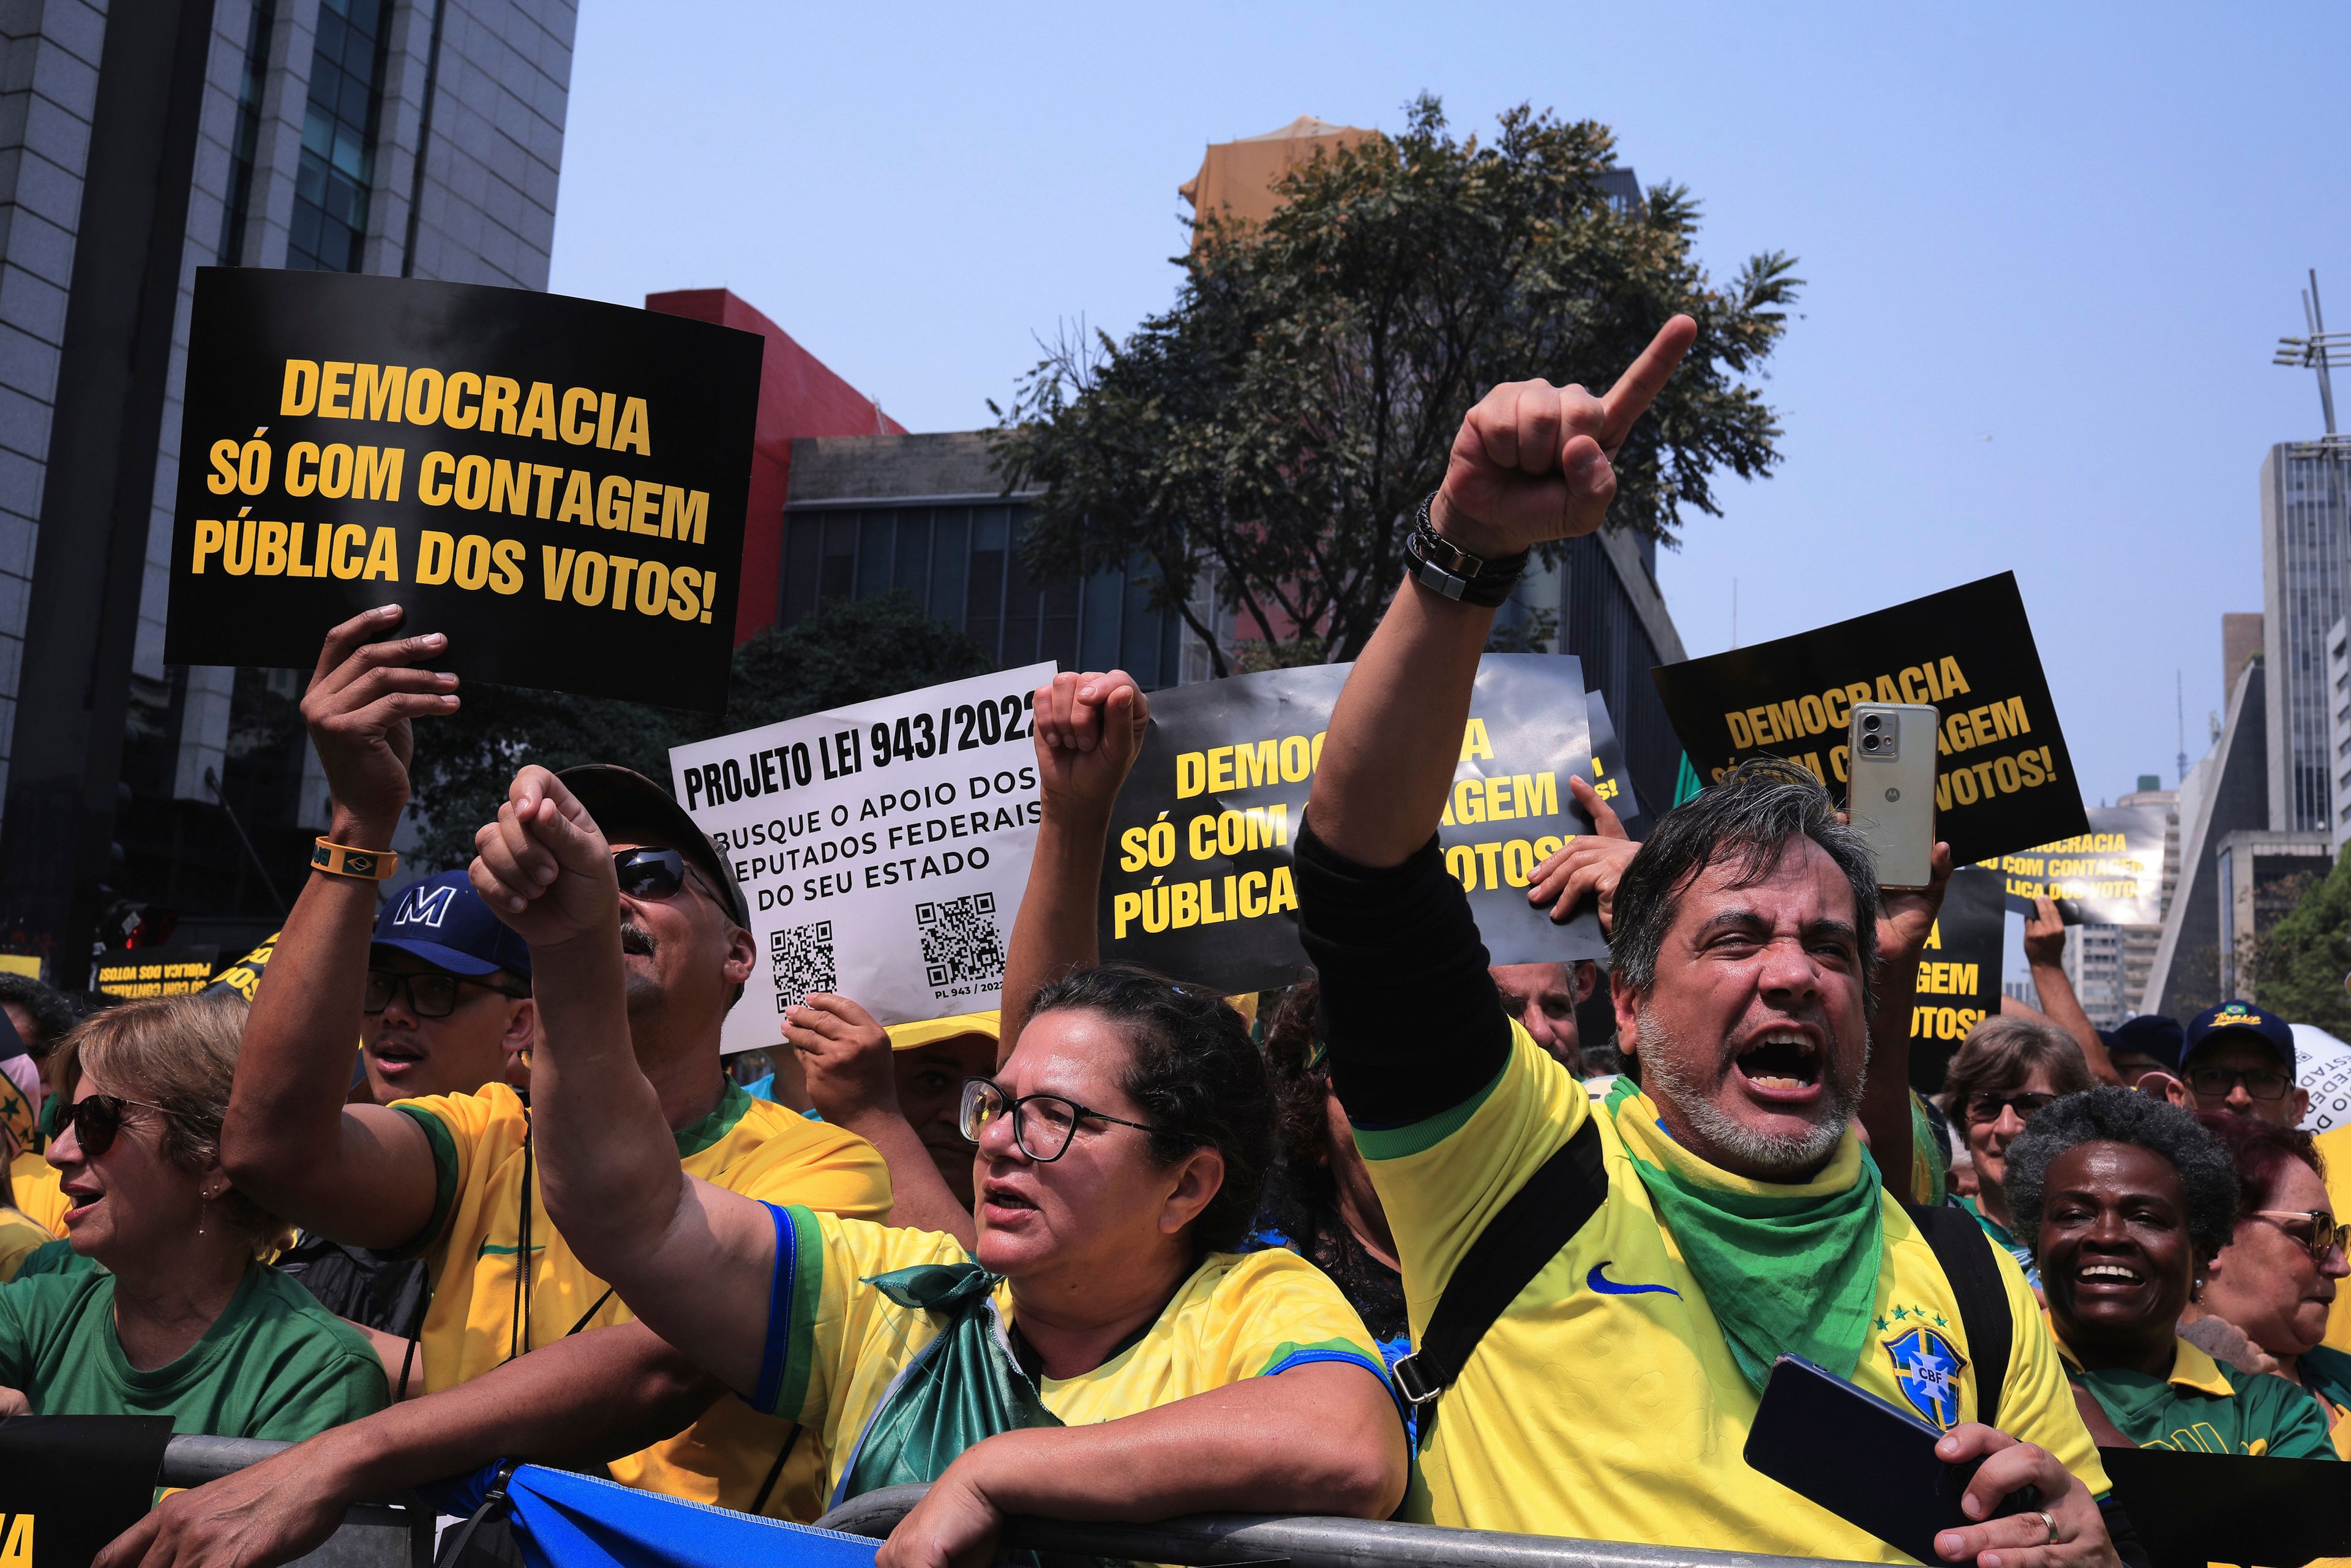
{"points": [[1890, 766]]}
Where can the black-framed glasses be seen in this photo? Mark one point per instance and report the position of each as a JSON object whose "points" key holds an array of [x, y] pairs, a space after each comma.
{"points": [[1987, 1107], [97, 1118], [2261, 1083], [430, 993], [2326, 1233], [1042, 1124], [654, 875]]}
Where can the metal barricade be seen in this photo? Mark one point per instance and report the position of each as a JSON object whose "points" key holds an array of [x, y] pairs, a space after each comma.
{"points": [[1304, 1542], [395, 1534], [389, 1534]]}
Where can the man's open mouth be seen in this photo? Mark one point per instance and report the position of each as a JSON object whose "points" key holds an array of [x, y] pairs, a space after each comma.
{"points": [[634, 940], [1781, 1061]]}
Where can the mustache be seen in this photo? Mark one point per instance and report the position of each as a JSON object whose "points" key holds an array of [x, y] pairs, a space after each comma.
{"points": [[635, 938]]}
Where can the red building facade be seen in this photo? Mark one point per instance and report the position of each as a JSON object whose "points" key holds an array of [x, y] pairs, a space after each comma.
{"points": [[799, 395]]}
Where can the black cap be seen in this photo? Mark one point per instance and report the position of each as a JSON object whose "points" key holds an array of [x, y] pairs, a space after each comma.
{"points": [[2241, 1017], [2149, 1034], [624, 800]]}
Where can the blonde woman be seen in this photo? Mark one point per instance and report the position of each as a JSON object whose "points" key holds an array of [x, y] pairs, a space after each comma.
{"points": [[180, 1319]]}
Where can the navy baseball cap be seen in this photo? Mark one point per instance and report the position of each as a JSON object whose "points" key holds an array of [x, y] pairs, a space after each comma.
{"points": [[444, 921], [2233, 1017], [2149, 1034]]}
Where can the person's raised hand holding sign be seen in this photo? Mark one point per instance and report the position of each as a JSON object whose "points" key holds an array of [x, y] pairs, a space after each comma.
{"points": [[362, 698], [1587, 864]]}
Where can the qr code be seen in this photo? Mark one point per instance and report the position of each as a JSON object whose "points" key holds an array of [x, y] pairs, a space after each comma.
{"points": [[802, 957], [960, 943]]}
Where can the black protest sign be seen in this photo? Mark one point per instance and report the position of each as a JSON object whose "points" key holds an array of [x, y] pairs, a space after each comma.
{"points": [[155, 971], [243, 977], [2004, 779], [558, 485], [2111, 875], [1198, 883], [70, 1484], [1611, 779], [1959, 970]]}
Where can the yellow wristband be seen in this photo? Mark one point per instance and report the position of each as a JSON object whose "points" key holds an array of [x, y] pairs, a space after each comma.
{"points": [[342, 860]]}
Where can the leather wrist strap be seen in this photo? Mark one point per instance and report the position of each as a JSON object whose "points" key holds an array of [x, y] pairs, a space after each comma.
{"points": [[1439, 565], [342, 860]]}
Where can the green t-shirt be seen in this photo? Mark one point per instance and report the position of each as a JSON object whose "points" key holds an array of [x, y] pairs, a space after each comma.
{"points": [[56, 1258], [2204, 1408], [274, 1364]]}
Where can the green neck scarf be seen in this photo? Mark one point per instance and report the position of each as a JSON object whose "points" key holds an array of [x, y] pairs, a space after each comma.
{"points": [[1786, 1269]]}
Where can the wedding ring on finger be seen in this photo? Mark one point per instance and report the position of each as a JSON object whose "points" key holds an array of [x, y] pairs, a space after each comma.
{"points": [[2049, 1520]]}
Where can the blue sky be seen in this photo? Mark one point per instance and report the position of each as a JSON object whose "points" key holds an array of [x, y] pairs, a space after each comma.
{"points": [[2047, 252]]}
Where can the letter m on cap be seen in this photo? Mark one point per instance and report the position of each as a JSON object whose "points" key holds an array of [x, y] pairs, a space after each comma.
{"points": [[421, 906]]}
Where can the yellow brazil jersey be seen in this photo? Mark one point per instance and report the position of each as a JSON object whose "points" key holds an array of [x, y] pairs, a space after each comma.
{"points": [[836, 1345], [480, 1143], [1604, 1403], [2334, 1150], [19, 1237], [33, 1184]]}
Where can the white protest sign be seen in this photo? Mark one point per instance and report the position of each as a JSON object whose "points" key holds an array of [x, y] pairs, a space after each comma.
{"points": [[2323, 1066], [882, 848]]}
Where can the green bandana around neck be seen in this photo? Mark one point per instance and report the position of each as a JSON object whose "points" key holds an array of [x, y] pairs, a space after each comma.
{"points": [[1787, 1269]]}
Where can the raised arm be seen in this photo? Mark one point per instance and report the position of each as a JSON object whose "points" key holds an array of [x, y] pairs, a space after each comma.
{"points": [[1906, 916], [2044, 955], [1531, 462], [693, 1262], [1088, 731], [1387, 928], [355, 1174], [593, 1396], [1316, 1439]]}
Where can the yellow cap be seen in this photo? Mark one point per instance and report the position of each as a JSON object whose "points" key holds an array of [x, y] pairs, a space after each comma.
{"points": [[908, 1036]]}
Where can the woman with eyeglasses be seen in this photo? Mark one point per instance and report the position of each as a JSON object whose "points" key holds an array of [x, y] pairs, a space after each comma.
{"points": [[2129, 1203], [2276, 1277], [1098, 1353], [2007, 1069], [180, 1318]]}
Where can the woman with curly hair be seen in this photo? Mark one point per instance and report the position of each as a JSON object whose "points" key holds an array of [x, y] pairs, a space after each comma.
{"points": [[2129, 1201], [2276, 1280]]}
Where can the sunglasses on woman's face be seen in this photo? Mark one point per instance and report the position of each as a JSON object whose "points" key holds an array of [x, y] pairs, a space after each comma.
{"points": [[2314, 1228], [97, 1118], [1988, 1107]]}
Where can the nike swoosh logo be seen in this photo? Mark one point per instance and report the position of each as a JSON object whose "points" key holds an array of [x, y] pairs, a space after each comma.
{"points": [[1608, 1287]]}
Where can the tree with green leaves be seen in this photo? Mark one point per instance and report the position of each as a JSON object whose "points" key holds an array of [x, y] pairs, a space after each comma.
{"points": [[847, 653], [1272, 435], [2298, 968]]}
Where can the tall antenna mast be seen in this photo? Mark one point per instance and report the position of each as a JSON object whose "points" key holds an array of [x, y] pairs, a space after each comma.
{"points": [[2179, 698], [2318, 351]]}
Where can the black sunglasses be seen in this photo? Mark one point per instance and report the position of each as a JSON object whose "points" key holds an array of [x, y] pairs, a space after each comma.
{"points": [[97, 1118], [656, 876], [1987, 1107], [430, 995]]}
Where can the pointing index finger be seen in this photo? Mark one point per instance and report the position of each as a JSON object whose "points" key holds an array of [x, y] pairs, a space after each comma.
{"points": [[1646, 376]]}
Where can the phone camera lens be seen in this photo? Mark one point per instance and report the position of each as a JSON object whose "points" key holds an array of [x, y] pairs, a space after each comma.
{"points": [[1869, 743], [1870, 721]]}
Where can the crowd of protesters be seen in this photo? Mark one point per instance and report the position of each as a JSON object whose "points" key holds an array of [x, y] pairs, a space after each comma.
{"points": [[1126, 1249]]}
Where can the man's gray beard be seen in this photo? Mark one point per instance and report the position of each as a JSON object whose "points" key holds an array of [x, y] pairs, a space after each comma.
{"points": [[1665, 1081]]}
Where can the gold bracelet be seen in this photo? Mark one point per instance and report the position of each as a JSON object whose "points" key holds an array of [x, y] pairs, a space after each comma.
{"points": [[342, 860]]}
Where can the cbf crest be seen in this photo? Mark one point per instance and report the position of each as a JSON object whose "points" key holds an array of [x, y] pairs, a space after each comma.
{"points": [[1927, 1369]]}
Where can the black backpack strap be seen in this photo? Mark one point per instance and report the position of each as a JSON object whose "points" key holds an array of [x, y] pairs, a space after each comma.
{"points": [[1540, 1219], [1985, 1317]]}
